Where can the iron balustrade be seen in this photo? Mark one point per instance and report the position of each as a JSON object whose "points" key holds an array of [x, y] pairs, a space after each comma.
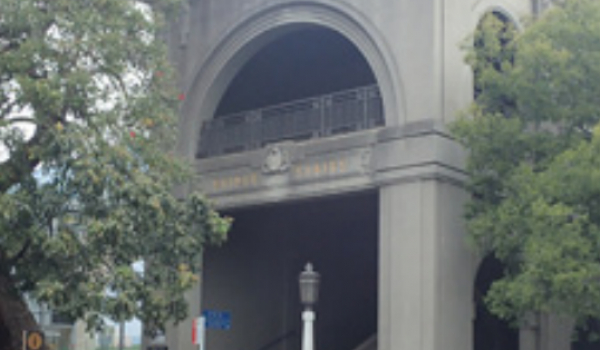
{"points": [[322, 116]]}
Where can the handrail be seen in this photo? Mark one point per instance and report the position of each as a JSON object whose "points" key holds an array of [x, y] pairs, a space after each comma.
{"points": [[369, 344], [279, 339], [300, 100], [321, 116]]}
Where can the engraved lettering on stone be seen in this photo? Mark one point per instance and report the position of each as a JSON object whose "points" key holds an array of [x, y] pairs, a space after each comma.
{"points": [[332, 167]]}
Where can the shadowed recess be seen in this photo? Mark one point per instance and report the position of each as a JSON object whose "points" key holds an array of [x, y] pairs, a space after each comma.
{"points": [[304, 63]]}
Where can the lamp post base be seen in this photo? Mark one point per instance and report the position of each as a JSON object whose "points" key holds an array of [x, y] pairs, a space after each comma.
{"points": [[308, 336]]}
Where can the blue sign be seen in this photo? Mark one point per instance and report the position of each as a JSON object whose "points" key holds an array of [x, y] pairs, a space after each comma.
{"points": [[217, 319]]}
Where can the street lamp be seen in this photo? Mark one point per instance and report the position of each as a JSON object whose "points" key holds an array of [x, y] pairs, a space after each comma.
{"points": [[309, 295]]}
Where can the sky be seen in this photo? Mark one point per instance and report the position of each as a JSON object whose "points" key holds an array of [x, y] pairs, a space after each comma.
{"points": [[133, 329], [27, 128]]}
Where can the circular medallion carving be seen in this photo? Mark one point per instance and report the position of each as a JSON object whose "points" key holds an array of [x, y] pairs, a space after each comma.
{"points": [[276, 160]]}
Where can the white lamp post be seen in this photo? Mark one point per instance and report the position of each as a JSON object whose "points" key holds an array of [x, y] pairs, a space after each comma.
{"points": [[309, 295]]}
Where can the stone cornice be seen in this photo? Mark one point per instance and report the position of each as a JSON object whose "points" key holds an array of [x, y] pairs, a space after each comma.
{"points": [[346, 163]]}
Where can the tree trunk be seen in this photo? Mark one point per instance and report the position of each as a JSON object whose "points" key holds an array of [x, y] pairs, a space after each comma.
{"points": [[15, 317]]}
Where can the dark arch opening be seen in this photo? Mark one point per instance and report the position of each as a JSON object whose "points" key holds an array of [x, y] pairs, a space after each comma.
{"points": [[489, 331], [588, 336], [309, 83], [305, 63], [486, 52]]}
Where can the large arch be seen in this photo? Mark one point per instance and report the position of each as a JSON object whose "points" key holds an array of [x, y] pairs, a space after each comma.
{"points": [[214, 74], [297, 66]]}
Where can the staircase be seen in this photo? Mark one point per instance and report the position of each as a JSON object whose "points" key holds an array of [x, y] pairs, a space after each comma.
{"points": [[369, 344]]}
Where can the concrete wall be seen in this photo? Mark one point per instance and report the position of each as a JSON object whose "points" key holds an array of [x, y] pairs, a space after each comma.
{"points": [[425, 269]]}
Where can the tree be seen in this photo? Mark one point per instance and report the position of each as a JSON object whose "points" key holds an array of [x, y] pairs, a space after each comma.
{"points": [[534, 160], [91, 191]]}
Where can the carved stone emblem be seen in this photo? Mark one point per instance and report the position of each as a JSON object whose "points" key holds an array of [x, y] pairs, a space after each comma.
{"points": [[365, 161], [277, 160]]}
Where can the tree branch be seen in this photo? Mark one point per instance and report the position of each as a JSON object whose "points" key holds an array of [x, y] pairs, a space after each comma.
{"points": [[13, 260], [11, 45], [20, 162], [21, 119], [6, 110]]}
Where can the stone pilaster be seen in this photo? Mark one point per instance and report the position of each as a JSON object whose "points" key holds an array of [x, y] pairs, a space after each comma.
{"points": [[425, 268]]}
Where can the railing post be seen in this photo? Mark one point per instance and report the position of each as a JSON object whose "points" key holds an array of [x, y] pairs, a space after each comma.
{"points": [[369, 99], [318, 105], [325, 106]]}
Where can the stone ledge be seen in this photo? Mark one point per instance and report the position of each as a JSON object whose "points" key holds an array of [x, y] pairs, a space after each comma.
{"points": [[337, 165]]}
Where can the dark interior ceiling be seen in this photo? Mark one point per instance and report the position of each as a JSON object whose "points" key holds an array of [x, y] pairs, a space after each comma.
{"points": [[303, 63]]}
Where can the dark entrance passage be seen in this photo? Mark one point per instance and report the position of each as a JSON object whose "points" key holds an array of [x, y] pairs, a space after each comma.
{"points": [[587, 338], [255, 275], [489, 331]]}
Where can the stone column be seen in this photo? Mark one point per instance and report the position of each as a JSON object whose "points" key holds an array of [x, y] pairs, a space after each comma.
{"points": [[529, 333], [555, 332], [426, 287]]}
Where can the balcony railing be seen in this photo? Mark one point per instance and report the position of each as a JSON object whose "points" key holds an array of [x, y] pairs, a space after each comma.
{"points": [[316, 117]]}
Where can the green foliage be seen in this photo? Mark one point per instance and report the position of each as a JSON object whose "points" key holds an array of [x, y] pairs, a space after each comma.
{"points": [[535, 161], [92, 191], [492, 56]]}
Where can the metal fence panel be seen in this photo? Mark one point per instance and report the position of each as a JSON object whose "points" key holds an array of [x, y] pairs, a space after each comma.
{"points": [[336, 113]]}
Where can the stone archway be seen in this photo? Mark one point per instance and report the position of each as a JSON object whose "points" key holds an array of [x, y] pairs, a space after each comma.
{"points": [[309, 83], [270, 244], [214, 74]]}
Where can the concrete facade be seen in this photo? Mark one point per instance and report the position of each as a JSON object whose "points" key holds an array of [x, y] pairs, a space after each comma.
{"points": [[409, 168]]}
